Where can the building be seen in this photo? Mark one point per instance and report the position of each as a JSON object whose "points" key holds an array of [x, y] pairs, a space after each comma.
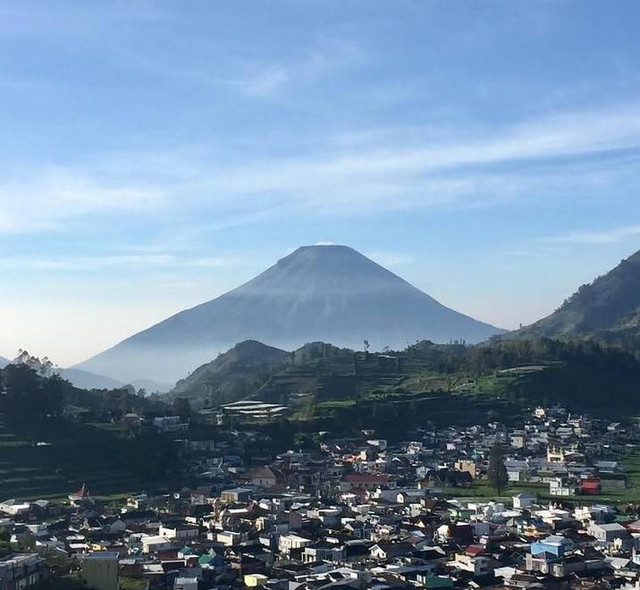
{"points": [[20, 570], [560, 486], [467, 466], [607, 533], [14, 507], [236, 495], [186, 583], [170, 424], [263, 477], [179, 531], [290, 543], [100, 570], [524, 500], [254, 580]]}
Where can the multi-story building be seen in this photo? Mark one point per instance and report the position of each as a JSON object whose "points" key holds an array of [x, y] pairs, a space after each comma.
{"points": [[20, 570]]}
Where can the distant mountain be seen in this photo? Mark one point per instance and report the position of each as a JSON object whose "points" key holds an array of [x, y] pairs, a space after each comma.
{"points": [[86, 380], [317, 293], [606, 310]]}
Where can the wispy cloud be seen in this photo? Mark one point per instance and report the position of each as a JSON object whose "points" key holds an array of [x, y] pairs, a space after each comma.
{"points": [[262, 79], [609, 236], [88, 264], [43, 201], [390, 258], [196, 183]]}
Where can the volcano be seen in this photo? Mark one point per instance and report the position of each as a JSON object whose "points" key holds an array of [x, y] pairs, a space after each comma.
{"points": [[318, 293]]}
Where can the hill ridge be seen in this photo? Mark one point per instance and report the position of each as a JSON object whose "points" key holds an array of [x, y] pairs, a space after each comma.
{"points": [[607, 310]]}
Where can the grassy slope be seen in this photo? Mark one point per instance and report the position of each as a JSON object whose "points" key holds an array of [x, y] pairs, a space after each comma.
{"points": [[338, 388]]}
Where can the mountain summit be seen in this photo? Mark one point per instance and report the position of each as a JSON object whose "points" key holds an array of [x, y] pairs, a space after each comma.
{"points": [[324, 293]]}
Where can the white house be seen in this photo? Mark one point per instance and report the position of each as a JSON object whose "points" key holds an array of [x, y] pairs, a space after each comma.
{"points": [[288, 543], [14, 507], [524, 500]]}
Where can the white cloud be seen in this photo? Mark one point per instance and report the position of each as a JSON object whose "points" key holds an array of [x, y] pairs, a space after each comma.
{"points": [[44, 202], [265, 79], [471, 172], [389, 258], [86, 264], [610, 236]]}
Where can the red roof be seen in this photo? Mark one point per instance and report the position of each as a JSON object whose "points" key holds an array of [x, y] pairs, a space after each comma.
{"points": [[590, 485]]}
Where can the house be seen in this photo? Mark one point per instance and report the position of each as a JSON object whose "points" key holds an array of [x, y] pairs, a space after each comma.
{"points": [[517, 439], [264, 477], [590, 486], [324, 551], [555, 455], [524, 500], [384, 550], [170, 424], [155, 543], [517, 471], [236, 495], [467, 466], [608, 533], [14, 507], [476, 563], [365, 481], [548, 553], [561, 486], [554, 545], [179, 531], [288, 544]]}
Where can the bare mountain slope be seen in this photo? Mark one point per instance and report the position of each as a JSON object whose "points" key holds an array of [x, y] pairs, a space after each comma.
{"points": [[328, 293]]}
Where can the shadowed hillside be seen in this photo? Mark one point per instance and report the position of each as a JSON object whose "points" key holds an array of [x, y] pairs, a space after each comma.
{"points": [[338, 387], [606, 310]]}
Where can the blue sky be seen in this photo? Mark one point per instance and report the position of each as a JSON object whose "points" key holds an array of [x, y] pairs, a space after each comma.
{"points": [[155, 154]]}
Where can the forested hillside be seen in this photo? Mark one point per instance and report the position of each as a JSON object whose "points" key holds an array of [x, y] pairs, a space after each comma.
{"points": [[320, 381], [54, 437]]}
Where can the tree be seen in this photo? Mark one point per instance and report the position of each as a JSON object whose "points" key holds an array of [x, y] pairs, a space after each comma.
{"points": [[182, 408], [497, 474]]}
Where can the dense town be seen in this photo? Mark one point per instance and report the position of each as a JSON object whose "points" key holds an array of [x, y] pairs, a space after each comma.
{"points": [[359, 512]]}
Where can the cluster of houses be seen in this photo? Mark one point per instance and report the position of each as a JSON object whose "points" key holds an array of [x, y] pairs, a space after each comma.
{"points": [[355, 513]]}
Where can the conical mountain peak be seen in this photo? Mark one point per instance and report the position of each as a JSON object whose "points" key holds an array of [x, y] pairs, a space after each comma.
{"points": [[328, 293]]}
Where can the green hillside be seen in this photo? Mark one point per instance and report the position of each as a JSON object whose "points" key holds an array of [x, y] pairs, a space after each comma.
{"points": [[606, 311], [325, 387], [55, 437]]}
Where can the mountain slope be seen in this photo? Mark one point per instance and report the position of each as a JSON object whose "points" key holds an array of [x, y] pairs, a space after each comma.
{"points": [[608, 310], [327, 293], [86, 380], [3, 362], [233, 374], [328, 388]]}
